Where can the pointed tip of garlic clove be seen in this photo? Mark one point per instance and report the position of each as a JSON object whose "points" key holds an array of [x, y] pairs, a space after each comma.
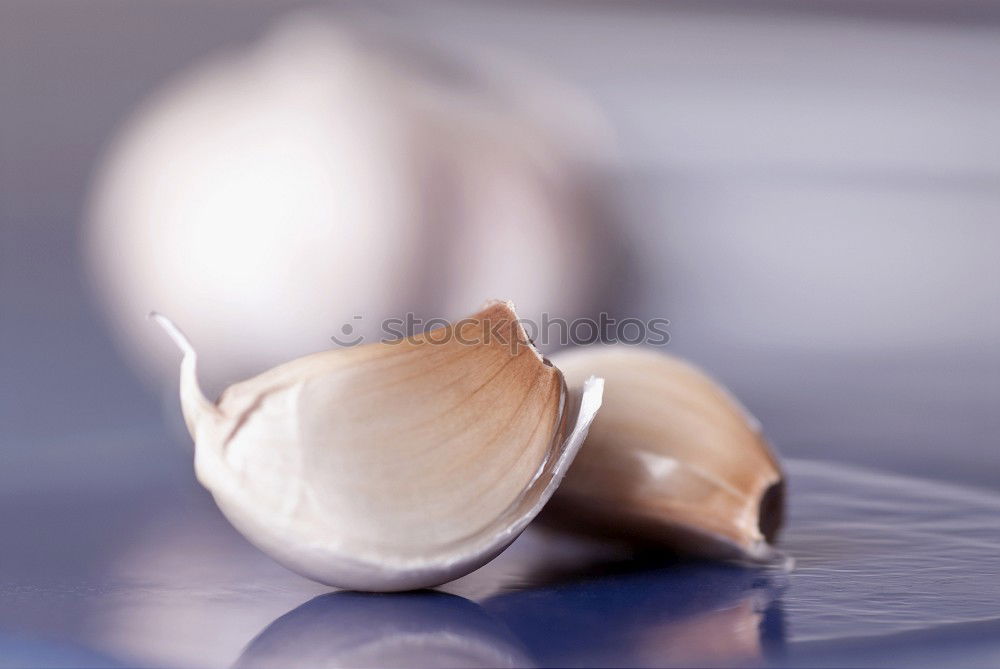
{"points": [[199, 411], [505, 310], [174, 332]]}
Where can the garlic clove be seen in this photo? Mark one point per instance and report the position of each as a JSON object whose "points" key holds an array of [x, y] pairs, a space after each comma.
{"points": [[673, 460], [395, 465]]}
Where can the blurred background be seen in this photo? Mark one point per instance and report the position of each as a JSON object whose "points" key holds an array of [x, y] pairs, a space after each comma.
{"points": [[808, 191]]}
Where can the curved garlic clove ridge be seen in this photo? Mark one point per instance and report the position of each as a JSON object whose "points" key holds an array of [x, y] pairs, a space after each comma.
{"points": [[673, 460], [395, 465]]}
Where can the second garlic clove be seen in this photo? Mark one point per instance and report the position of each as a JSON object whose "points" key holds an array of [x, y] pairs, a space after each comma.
{"points": [[673, 460], [395, 465]]}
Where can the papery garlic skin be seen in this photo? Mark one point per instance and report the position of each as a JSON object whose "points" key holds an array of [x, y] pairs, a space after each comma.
{"points": [[673, 460], [390, 466]]}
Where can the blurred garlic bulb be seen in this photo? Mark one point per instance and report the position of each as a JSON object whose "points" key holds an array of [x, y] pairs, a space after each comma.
{"points": [[673, 460], [395, 465], [330, 176]]}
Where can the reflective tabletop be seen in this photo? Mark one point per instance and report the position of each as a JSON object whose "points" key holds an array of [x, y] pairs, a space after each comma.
{"points": [[888, 570]]}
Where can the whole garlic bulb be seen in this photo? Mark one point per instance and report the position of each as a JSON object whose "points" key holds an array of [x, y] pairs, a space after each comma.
{"points": [[395, 465], [330, 176], [673, 460]]}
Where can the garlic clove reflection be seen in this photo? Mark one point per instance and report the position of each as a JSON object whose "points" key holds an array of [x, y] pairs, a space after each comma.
{"points": [[673, 460], [395, 465], [350, 629]]}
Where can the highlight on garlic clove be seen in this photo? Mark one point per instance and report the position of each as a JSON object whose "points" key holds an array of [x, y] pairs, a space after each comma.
{"points": [[394, 465], [673, 460]]}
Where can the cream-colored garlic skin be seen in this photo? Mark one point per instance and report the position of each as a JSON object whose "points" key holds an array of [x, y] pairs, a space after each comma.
{"points": [[395, 465], [673, 460]]}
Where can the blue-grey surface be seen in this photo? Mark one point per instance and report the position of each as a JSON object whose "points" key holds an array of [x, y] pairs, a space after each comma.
{"points": [[811, 193], [889, 570]]}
